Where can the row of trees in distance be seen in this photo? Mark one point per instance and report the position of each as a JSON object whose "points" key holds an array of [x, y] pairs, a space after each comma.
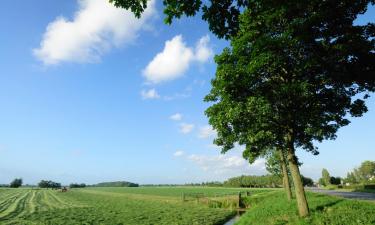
{"points": [[364, 174], [49, 184], [116, 184]]}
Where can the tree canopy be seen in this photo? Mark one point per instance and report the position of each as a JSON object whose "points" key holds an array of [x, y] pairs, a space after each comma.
{"points": [[326, 177], [49, 184], [116, 184], [223, 15], [365, 173], [291, 76], [16, 183]]}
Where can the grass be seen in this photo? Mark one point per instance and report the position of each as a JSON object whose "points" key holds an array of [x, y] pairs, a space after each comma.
{"points": [[163, 205], [273, 208], [352, 188], [145, 205], [365, 190]]}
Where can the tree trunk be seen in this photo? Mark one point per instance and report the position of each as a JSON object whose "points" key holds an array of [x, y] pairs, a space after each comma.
{"points": [[303, 208], [285, 175]]}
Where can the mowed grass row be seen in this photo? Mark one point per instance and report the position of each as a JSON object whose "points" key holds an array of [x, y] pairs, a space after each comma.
{"points": [[17, 204], [149, 205]]}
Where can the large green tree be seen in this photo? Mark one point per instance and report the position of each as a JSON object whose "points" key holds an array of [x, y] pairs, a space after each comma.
{"points": [[16, 183], [293, 73], [288, 81]]}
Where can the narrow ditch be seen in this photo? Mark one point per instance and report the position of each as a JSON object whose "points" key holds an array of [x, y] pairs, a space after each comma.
{"points": [[236, 217]]}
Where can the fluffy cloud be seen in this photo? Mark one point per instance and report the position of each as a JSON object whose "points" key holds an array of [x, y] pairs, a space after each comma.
{"points": [[202, 51], [206, 132], [228, 165], [186, 128], [96, 27], [176, 117], [178, 153], [150, 94], [176, 58]]}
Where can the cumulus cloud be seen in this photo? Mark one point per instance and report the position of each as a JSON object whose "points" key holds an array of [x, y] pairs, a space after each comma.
{"points": [[150, 94], [96, 27], [176, 117], [178, 153], [175, 59], [206, 132], [228, 165], [186, 128], [202, 51]]}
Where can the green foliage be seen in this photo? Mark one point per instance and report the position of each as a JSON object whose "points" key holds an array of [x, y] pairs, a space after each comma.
{"points": [[276, 78], [136, 6], [116, 184], [273, 208], [367, 170], [351, 178], [222, 15], [306, 181], [335, 180], [254, 181], [77, 185], [365, 173], [16, 183], [49, 184], [273, 164], [326, 178]]}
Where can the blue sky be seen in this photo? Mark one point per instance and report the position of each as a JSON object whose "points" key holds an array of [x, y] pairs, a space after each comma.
{"points": [[89, 94]]}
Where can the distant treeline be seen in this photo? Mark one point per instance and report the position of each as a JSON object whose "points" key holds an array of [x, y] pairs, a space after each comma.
{"points": [[49, 184], [241, 181], [77, 185], [211, 184], [116, 184], [254, 181]]}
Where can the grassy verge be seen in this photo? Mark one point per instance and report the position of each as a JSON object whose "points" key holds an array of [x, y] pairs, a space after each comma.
{"points": [[273, 208], [353, 188], [365, 190]]}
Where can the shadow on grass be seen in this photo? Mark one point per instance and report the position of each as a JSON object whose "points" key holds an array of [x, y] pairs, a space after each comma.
{"points": [[320, 208]]}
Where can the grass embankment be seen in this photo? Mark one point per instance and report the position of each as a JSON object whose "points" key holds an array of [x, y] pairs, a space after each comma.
{"points": [[273, 208], [352, 188], [133, 206]]}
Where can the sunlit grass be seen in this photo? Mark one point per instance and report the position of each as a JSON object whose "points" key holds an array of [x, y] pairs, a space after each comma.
{"points": [[273, 208]]}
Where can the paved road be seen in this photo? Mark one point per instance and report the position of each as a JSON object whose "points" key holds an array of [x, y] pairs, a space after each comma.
{"points": [[344, 194]]}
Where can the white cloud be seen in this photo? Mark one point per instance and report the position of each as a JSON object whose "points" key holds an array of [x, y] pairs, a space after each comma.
{"points": [[202, 51], [150, 94], [186, 128], [228, 165], [175, 59], [178, 153], [171, 63], [176, 117], [206, 132], [96, 27]]}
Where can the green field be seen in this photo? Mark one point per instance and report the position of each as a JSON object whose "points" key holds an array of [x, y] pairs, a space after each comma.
{"points": [[149, 205], [164, 205], [272, 208]]}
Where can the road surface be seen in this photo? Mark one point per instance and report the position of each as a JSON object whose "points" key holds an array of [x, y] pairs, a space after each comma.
{"points": [[344, 194]]}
